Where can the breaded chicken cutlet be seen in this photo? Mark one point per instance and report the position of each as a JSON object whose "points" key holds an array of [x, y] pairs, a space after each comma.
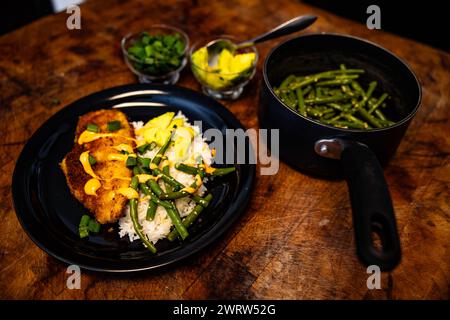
{"points": [[95, 168]]}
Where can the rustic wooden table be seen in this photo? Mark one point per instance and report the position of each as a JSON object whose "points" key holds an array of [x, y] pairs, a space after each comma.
{"points": [[295, 241]]}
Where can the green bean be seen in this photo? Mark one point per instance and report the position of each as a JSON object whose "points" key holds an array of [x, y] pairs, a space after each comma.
{"points": [[186, 168], [347, 77], [154, 186], [371, 119], [333, 120], [346, 89], [386, 123], [327, 99], [157, 159], [318, 92], [334, 97], [336, 82], [372, 101], [347, 107], [151, 210], [380, 115], [152, 206], [328, 116], [179, 194], [218, 172], [200, 200], [355, 85], [166, 171], [370, 90], [168, 187], [366, 95], [323, 75], [327, 110], [333, 92], [184, 192], [314, 112], [190, 218], [301, 102], [176, 220], [146, 190], [378, 102], [138, 227], [174, 195], [347, 124], [355, 120], [306, 90], [336, 106], [357, 105], [292, 98], [287, 100], [287, 81], [168, 179], [170, 208]]}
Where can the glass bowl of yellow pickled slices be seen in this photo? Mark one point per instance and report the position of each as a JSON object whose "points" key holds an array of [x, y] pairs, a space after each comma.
{"points": [[227, 78]]}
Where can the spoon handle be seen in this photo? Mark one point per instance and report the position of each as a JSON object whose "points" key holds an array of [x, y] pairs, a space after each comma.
{"points": [[291, 26]]}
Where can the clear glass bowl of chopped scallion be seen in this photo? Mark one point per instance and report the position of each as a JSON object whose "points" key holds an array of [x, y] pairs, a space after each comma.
{"points": [[157, 54]]}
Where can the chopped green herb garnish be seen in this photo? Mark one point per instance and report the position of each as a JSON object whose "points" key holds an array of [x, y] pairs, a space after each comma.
{"points": [[83, 226], [157, 54], [92, 160], [114, 125], [83, 232], [145, 162], [93, 226], [92, 127], [88, 224], [131, 162], [141, 149], [137, 170]]}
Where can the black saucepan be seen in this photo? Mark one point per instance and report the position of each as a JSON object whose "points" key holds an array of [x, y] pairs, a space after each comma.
{"points": [[327, 151]]}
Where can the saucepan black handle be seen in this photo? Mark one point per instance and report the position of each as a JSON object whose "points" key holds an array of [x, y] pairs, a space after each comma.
{"points": [[373, 213]]}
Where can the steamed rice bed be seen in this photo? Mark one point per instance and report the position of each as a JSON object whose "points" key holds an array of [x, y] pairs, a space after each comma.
{"points": [[161, 225]]}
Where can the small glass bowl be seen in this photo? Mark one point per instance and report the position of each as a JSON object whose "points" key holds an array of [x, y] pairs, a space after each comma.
{"points": [[227, 86], [170, 77]]}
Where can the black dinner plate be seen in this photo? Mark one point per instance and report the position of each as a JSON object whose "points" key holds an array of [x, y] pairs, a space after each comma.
{"points": [[50, 214]]}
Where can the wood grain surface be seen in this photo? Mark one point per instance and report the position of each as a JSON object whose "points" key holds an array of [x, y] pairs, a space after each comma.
{"points": [[295, 241]]}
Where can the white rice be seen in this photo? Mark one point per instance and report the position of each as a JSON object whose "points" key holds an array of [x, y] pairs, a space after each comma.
{"points": [[161, 225]]}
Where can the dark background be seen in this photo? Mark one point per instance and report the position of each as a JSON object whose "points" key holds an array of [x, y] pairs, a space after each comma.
{"points": [[423, 21]]}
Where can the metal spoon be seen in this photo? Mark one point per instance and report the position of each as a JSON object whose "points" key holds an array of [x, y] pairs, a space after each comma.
{"points": [[216, 46]]}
